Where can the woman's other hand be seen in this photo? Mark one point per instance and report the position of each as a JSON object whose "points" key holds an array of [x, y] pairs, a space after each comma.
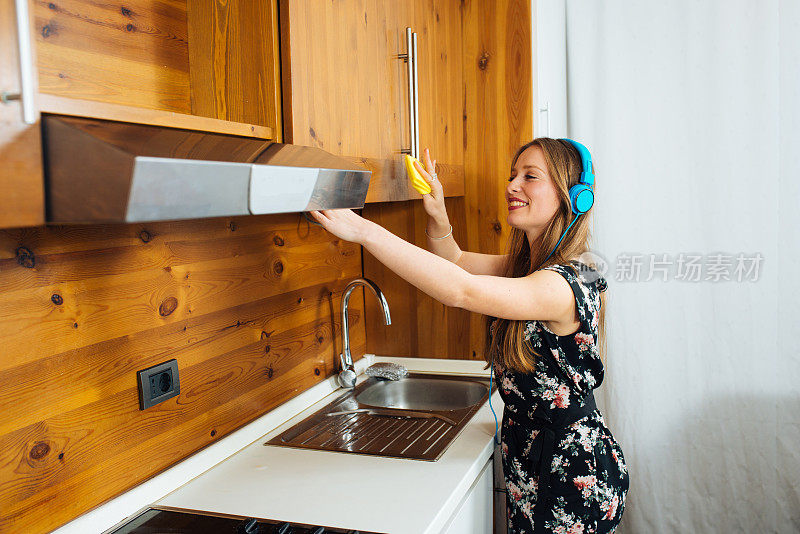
{"points": [[433, 201], [345, 224]]}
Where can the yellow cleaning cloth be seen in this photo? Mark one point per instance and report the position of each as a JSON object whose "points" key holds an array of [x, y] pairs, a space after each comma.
{"points": [[417, 181]]}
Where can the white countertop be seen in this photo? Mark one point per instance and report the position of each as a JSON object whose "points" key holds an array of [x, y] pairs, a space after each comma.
{"points": [[343, 489]]}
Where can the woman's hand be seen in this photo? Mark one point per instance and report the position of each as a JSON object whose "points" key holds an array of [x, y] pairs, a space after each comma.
{"points": [[345, 224], [433, 201]]}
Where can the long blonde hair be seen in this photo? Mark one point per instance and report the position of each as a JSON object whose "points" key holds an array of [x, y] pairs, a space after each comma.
{"points": [[505, 338]]}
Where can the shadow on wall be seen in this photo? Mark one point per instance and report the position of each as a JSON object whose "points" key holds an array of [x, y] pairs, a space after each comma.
{"points": [[732, 466]]}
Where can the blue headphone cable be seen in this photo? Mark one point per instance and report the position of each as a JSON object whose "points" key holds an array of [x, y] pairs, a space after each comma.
{"points": [[562, 237], [491, 376]]}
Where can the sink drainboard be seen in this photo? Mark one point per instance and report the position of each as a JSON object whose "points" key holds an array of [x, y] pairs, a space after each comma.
{"points": [[346, 425]]}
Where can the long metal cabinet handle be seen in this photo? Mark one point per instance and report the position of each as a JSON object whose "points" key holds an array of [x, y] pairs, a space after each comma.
{"points": [[410, 57], [415, 131], [26, 79]]}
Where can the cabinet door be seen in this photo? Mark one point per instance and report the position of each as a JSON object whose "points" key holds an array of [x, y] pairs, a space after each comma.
{"points": [[474, 516], [234, 61], [343, 84], [346, 90], [21, 182], [134, 53], [440, 86], [204, 58]]}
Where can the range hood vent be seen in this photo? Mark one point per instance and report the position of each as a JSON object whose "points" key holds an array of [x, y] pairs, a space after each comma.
{"points": [[104, 171]]}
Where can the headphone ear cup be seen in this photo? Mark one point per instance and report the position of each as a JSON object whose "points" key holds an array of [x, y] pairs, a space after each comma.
{"points": [[581, 198]]}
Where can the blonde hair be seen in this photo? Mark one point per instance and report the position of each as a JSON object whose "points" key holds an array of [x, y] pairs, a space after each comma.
{"points": [[506, 338]]}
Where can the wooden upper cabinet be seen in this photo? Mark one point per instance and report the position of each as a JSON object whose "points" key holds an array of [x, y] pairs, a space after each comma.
{"points": [[206, 65], [21, 183], [346, 90], [209, 65]]}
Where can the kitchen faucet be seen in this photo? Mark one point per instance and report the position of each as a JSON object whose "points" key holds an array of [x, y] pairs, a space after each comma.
{"points": [[347, 376]]}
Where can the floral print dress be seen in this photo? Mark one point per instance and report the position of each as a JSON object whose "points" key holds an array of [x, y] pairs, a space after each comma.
{"points": [[585, 490]]}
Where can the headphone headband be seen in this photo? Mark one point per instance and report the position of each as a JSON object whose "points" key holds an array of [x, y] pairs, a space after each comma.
{"points": [[587, 174]]}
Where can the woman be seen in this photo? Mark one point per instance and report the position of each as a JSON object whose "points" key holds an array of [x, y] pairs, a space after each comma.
{"points": [[564, 471]]}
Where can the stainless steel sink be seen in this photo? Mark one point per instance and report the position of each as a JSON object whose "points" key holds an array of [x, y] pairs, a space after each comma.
{"points": [[423, 394], [416, 417]]}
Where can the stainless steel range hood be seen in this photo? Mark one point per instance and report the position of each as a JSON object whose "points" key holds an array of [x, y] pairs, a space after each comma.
{"points": [[103, 171]]}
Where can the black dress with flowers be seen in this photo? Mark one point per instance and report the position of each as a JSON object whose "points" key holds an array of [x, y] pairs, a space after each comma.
{"points": [[588, 478]]}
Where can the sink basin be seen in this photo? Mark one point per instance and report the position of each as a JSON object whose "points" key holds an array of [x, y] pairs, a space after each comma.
{"points": [[416, 417], [423, 394]]}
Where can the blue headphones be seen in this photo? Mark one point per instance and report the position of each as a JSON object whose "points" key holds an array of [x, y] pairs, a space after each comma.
{"points": [[581, 195]]}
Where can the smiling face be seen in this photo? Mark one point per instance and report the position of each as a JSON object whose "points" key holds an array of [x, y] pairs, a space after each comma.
{"points": [[531, 194]]}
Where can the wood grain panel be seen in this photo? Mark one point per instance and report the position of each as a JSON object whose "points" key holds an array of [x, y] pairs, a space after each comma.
{"points": [[191, 241], [345, 99], [21, 180], [98, 309], [132, 53], [246, 338], [498, 87], [424, 327], [234, 61], [154, 31], [389, 180], [400, 338]]}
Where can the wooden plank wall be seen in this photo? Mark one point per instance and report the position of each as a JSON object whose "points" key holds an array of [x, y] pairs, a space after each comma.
{"points": [[498, 96], [498, 118], [249, 307]]}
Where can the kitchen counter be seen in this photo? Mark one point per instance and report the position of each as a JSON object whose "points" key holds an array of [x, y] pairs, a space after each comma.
{"points": [[239, 475], [348, 490]]}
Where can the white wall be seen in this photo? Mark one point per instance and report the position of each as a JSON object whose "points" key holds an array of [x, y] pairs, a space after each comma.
{"points": [[550, 68], [690, 110], [788, 448]]}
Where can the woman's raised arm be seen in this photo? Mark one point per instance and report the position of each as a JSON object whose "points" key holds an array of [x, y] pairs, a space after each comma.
{"points": [[544, 295], [472, 262], [439, 230]]}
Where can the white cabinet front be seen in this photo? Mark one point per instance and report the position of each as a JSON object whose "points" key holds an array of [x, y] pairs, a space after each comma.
{"points": [[474, 515]]}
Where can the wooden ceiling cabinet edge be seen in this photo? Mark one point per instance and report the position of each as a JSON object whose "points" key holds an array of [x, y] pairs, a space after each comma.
{"points": [[285, 34], [59, 105]]}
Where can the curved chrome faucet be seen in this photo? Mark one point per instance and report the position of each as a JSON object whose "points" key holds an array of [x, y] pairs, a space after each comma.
{"points": [[347, 376]]}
